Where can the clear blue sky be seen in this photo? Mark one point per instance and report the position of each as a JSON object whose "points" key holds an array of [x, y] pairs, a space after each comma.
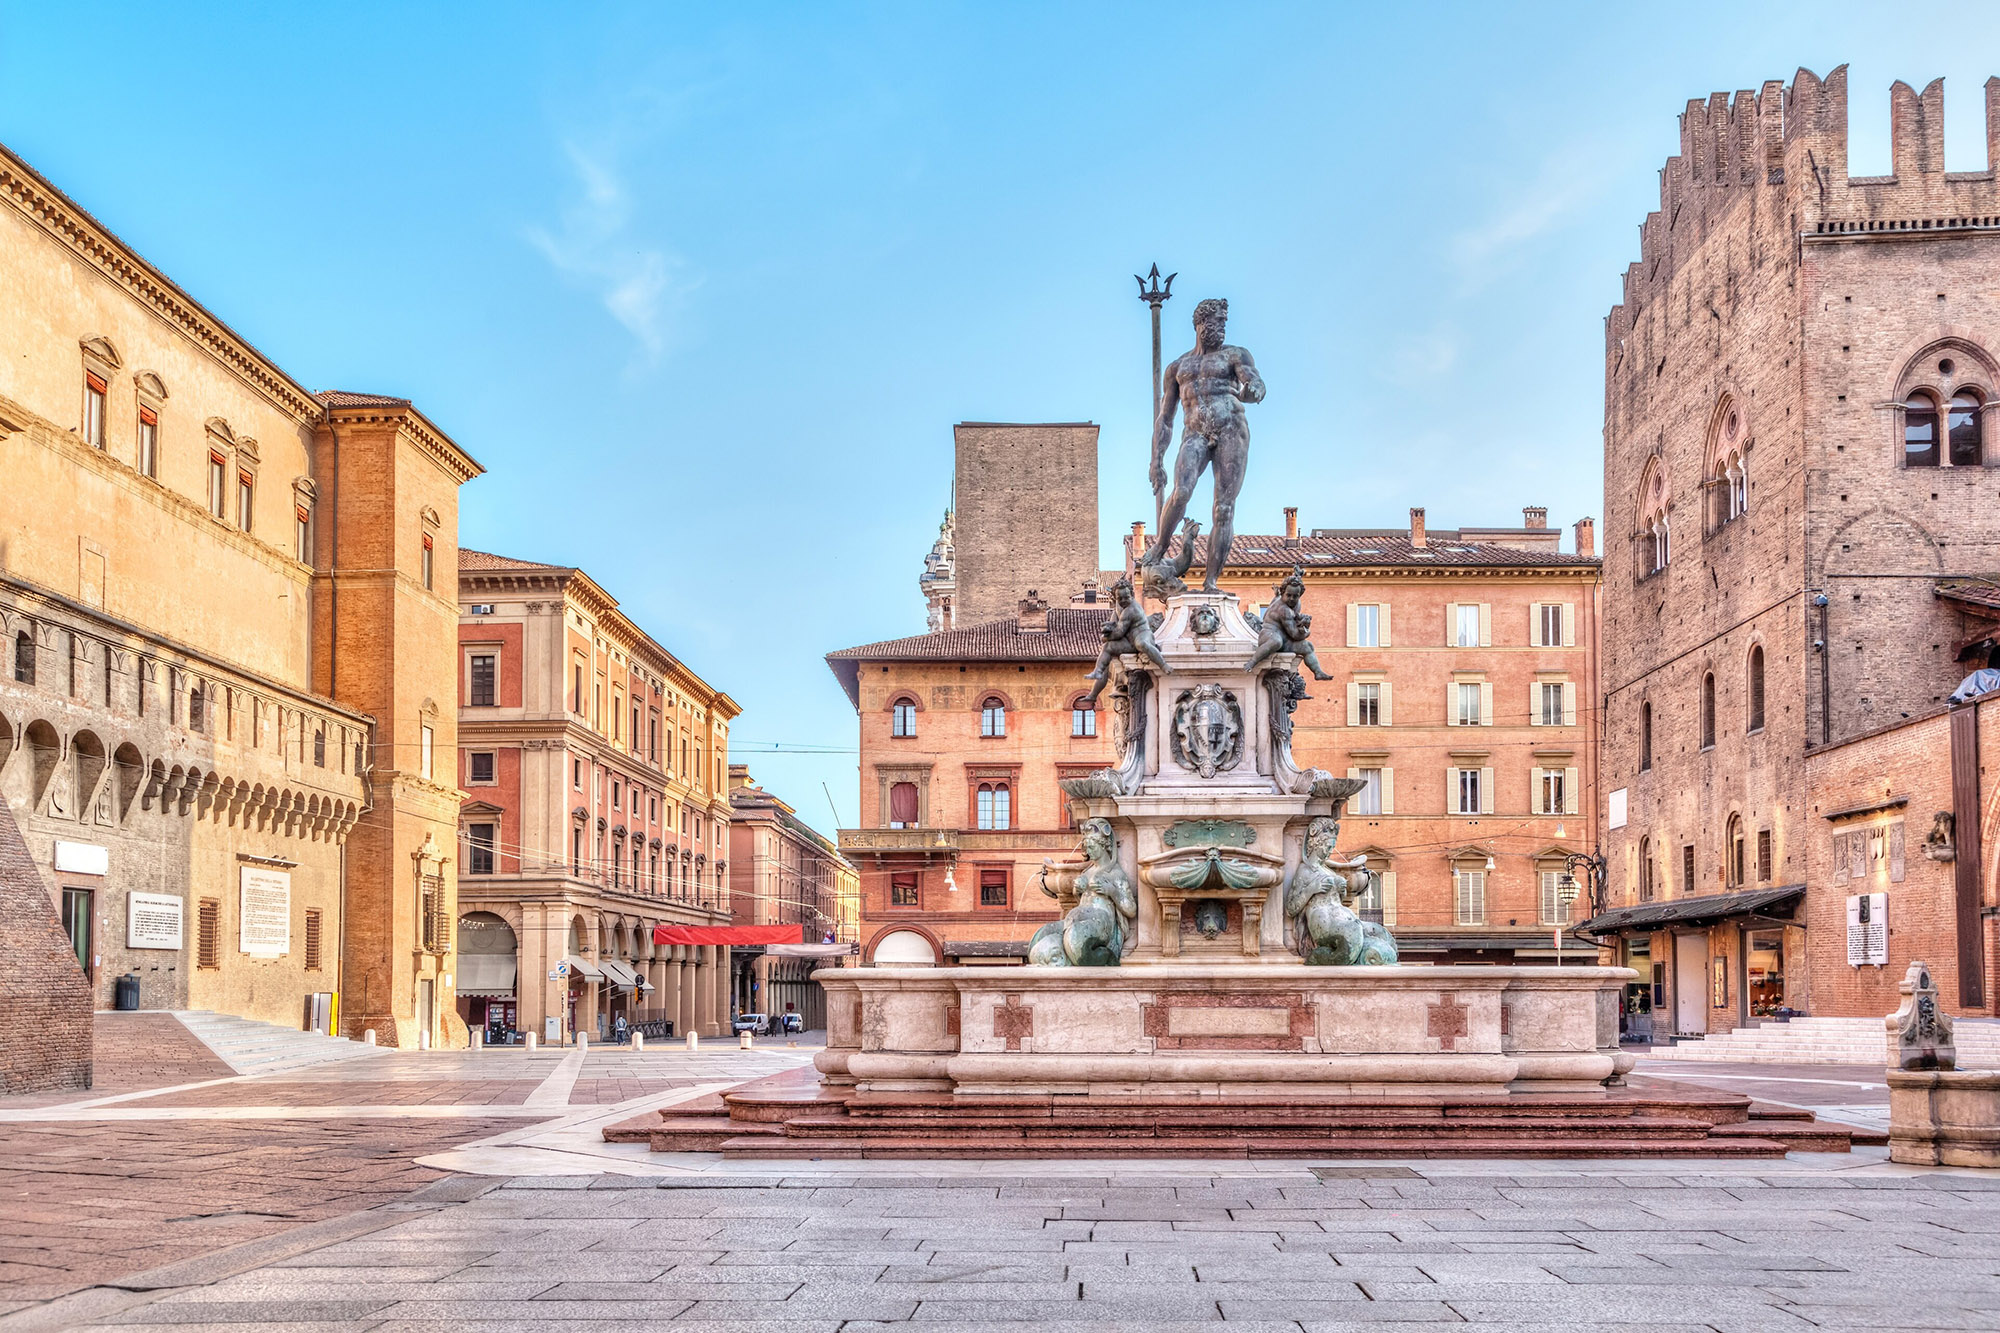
{"points": [[705, 286]]}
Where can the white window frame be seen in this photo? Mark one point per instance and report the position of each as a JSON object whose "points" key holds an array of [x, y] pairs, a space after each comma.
{"points": [[1367, 625]]}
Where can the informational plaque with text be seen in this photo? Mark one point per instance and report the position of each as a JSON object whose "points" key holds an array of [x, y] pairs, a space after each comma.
{"points": [[153, 921], [264, 925], [1867, 929]]}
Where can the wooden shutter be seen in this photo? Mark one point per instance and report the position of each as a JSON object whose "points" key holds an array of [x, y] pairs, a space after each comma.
{"points": [[208, 933], [1388, 893], [1569, 703], [1382, 713], [1451, 791], [1382, 626], [1388, 791], [1485, 703], [1451, 624], [1353, 626], [312, 939], [1534, 703], [1353, 703], [1569, 624], [1485, 791], [1535, 624], [1569, 790], [1486, 624]]}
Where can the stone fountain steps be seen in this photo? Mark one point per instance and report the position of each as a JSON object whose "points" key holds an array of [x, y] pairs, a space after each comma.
{"points": [[790, 1119]]}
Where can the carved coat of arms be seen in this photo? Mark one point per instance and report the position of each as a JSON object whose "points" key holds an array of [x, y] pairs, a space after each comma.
{"points": [[1208, 730]]}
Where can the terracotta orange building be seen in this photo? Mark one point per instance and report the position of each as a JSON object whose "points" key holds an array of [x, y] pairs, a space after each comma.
{"points": [[964, 736]]}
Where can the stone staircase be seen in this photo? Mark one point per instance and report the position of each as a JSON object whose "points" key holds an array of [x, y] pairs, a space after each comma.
{"points": [[1828, 1041], [252, 1047]]}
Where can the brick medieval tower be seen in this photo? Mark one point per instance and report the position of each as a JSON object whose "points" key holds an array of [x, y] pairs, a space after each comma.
{"points": [[1799, 430]]}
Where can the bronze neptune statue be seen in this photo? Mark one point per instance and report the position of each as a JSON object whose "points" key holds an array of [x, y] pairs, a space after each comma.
{"points": [[1210, 385]]}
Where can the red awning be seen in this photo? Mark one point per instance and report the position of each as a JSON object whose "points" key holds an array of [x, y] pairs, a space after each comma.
{"points": [[726, 934]]}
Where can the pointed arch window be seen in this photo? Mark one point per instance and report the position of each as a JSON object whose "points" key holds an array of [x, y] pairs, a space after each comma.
{"points": [[1655, 547], [1755, 683], [1645, 738]]}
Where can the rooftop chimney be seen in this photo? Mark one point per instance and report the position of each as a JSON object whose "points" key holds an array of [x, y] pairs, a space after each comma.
{"points": [[1135, 545], [1535, 516], [1291, 525], [1034, 614], [1417, 527], [1586, 536]]}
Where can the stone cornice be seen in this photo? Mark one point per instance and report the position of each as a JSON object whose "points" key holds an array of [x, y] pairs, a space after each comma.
{"points": [[59, 217]]}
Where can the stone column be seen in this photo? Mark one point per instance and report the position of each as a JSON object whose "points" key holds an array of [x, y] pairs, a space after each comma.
{"points": [[704, 990], [670, 990]]}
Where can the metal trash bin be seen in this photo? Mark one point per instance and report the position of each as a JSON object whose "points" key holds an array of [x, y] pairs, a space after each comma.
{"points": [[126, 993]]}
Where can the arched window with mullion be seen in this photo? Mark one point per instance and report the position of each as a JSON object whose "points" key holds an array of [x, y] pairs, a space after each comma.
{"points": [[1920, 430], [1964, 429]]}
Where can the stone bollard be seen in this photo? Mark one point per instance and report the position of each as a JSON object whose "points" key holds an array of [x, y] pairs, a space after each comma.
{"points": [[742, 1041], [368, 1037], [423, 1041], [529, 1041], [638, 1041], [583, 1041], [479, 1039], [694, 1041], [1939, 1114]]}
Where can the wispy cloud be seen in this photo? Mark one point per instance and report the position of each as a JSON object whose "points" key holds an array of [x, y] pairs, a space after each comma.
{"points": [[1558, 192], [594, 245]]}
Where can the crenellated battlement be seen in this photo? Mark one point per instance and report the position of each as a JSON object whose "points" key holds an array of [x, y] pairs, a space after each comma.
{"points": [[1789, 144]]}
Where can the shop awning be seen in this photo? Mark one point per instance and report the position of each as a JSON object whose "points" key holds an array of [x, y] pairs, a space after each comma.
{"points": [[486, 974], [1695, 911], [583, 967], [619, 974], [726, 934]]}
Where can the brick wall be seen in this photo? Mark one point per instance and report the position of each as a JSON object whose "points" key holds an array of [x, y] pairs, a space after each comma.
{"points": [[1782, 306], [1026, 514], [45, 1005], [1897, 781]]}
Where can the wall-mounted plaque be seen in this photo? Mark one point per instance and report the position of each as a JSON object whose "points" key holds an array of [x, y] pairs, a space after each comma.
{"points": [[264, 921], [153, 921]]}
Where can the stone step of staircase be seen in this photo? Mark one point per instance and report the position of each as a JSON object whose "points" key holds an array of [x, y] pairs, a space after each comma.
{"points": [[1827, 1041], [250, 1046]]}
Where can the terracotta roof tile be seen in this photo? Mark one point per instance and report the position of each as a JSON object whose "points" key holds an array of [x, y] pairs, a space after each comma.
{"points": [[1393, 547], [343, 398], [1980, 592], [1072, 636], [471, 559]]}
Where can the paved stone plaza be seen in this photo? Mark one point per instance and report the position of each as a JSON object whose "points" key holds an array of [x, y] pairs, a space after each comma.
{"points": [[471, 1191]]}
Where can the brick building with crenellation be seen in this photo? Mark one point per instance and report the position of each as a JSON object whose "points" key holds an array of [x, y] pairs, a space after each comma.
{"points": [[1800, 383]]}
